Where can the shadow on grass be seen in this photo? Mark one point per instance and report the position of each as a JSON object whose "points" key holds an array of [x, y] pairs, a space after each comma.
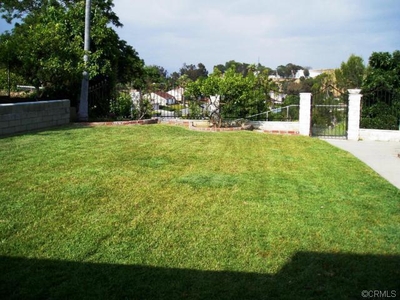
{"points": [[69, 128], [307, 276], [45, 131]]}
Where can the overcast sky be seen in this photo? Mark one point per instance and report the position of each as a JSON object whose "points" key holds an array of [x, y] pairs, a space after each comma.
{"points": [[315, 33]]}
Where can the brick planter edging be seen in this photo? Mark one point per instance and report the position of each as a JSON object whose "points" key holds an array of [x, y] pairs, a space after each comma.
{"points": [[189, 125], [215, 129], [184, 123], [281, 132], [117, 123]]}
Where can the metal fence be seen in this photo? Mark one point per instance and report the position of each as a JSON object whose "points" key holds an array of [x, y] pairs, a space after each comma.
{"points": [[329, 114], [380, 109], [162, 105], [99, 98], [287, 113]]}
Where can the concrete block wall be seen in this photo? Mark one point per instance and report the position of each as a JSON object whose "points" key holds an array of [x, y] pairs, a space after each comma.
{"points": [[22, 117], [277, 127], [380, 135]]}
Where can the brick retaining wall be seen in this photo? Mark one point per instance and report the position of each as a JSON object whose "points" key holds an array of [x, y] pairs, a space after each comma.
{"points": [[191, 124], [22, 117], [118, 123]]}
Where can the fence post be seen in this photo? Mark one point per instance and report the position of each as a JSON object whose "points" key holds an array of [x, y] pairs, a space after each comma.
{"points": [[305, 114], [353, 132]]}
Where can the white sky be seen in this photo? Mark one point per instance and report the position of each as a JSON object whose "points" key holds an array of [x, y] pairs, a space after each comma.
{"points": [[314, 33]]}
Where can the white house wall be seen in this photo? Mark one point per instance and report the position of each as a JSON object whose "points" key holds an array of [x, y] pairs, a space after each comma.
{"points": [[177, 93], [155, 99], [135, 96]]}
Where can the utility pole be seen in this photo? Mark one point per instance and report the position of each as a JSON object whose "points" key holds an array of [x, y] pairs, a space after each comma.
{"points": [[8, 79], [83, 113], [8, 70]]}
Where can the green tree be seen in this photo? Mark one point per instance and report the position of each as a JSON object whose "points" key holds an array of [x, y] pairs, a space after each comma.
{"points": [[220, 67], [351, 73], [193, 96], [243, 68], [154, 78], [8, 79], [294, 87], [288, 71], [5, 82], [238, 96], [128, 65], [49, 46], [238, 67], [383, 70], [266, 85], [381, 92], [194, 72], [263, 69], [18, 9], [173, 79], [45, 50], [323, 83]]}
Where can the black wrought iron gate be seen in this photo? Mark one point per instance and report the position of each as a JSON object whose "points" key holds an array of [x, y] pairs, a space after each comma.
{"points": [[329, 114]]}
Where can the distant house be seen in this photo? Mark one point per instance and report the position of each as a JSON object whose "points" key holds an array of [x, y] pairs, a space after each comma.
{"points": [[158, 99], [313, 73], [135, 95], [177, 93], [277, 97]]}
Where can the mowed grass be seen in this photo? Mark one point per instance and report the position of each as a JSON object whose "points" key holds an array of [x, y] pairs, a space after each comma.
{"points": [[159, 212]]}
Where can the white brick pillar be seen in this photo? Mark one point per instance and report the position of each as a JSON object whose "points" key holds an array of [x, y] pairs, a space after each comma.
{"points": [[305, 114], [353, 130]]}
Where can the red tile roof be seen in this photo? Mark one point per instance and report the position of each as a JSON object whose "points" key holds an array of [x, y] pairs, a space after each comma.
{"points": [[164, 95]]}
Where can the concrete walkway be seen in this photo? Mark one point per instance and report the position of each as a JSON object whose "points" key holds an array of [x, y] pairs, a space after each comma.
{"points": [[383, 157]]}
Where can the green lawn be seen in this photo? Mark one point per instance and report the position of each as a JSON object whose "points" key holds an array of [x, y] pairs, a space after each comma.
{"points": [[159, 212]]}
